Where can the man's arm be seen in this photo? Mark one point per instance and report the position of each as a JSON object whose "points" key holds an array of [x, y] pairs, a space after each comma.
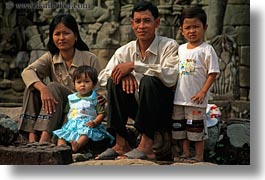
{"points": [[121, 70]]}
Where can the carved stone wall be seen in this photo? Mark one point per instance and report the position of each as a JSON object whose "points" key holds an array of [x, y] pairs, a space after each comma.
{"points": [[105, 26]]}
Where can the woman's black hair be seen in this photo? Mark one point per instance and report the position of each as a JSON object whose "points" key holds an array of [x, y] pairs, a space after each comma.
{"points": [[88, 71], [145, 5], [69, 21]]}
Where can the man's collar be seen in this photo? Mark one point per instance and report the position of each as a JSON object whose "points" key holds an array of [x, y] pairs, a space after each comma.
{"points": [[152, 48]]}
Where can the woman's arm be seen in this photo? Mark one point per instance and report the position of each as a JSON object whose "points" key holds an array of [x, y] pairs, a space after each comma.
{"points": [[37, 70], [47, 99]]}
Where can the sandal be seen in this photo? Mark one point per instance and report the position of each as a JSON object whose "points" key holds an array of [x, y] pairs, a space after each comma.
{"points": [[108, 154], [136, 154]]}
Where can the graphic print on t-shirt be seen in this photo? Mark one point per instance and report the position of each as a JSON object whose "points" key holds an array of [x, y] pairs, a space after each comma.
{"points": [[187, 67]]}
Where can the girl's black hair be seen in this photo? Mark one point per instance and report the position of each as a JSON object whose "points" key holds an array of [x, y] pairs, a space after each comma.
{"points": [[144, 5], [88, 71], [193, 12], [69, 21]]}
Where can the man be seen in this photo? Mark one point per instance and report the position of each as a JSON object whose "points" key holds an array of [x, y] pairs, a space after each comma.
{"points": [[139, 77]]}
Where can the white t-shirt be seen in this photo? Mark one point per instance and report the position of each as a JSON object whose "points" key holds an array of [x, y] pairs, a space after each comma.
{"points": [[194, 67]]}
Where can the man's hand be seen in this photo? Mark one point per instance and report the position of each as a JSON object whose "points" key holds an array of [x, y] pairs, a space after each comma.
{"points": [[129, 84], [121, 70]]}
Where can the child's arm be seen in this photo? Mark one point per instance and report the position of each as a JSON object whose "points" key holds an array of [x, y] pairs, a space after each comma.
{"points": [[199, 97], [96, 121], [101, 114]]}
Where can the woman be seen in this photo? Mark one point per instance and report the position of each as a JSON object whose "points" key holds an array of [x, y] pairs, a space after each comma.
{"points": [[43, 105]]}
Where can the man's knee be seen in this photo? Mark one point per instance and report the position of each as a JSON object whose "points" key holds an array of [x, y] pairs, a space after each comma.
{"points": [[149, 79], [150, 82], [110, 84]]}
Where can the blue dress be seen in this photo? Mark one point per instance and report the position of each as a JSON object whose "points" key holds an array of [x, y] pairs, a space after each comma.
{"points": [[82, 110]]}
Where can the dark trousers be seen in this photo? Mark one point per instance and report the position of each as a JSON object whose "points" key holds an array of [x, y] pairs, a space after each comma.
{"points": [[151, 113]]}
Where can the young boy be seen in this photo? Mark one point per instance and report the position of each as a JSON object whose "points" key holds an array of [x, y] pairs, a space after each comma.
{"points": [[198, 68]]}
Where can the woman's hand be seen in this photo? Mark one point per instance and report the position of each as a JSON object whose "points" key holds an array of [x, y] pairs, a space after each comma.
{"points": [[48, 101]]}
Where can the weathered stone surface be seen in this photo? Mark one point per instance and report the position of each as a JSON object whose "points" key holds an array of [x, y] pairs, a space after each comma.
{"points": [[119, 162], [213, 134], [8, 130], [215, 20], [35, 154], [244, 53], [137, 162], [24, 37], [240, 109], [239, 134], [12, 112], [243, 38], [233, 146], [193, 164], [244, 75], [237, 15]]}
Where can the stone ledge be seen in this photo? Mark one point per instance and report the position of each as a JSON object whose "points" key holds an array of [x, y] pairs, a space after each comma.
{"points": [[35, 154], [122, 162]]}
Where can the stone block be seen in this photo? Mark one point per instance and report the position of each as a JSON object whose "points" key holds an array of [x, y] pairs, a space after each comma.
{"points": [[35, 154]]}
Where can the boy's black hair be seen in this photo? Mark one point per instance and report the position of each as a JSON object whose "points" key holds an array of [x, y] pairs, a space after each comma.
{"points": [[145, 5], [193, 12], [69, 21], [88, 71]]}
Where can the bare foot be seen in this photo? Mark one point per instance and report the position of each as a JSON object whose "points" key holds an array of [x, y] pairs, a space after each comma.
{"points": [[45, 137], [181, 158], [33, 137], [61, 142], [199, 159], [75, 146], [121, 150]]}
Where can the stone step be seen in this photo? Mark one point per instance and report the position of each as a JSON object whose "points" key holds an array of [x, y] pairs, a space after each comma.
{"points": [[35, 154]]}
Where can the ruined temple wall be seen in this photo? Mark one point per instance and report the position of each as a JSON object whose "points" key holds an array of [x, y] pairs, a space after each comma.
{"points": [[105, 26]]}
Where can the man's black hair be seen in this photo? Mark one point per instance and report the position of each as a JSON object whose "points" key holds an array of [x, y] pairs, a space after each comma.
{"points": [[145, 5]]}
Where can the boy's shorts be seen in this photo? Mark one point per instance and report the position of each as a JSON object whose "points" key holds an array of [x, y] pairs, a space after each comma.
{"points": [[189, 123]]}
